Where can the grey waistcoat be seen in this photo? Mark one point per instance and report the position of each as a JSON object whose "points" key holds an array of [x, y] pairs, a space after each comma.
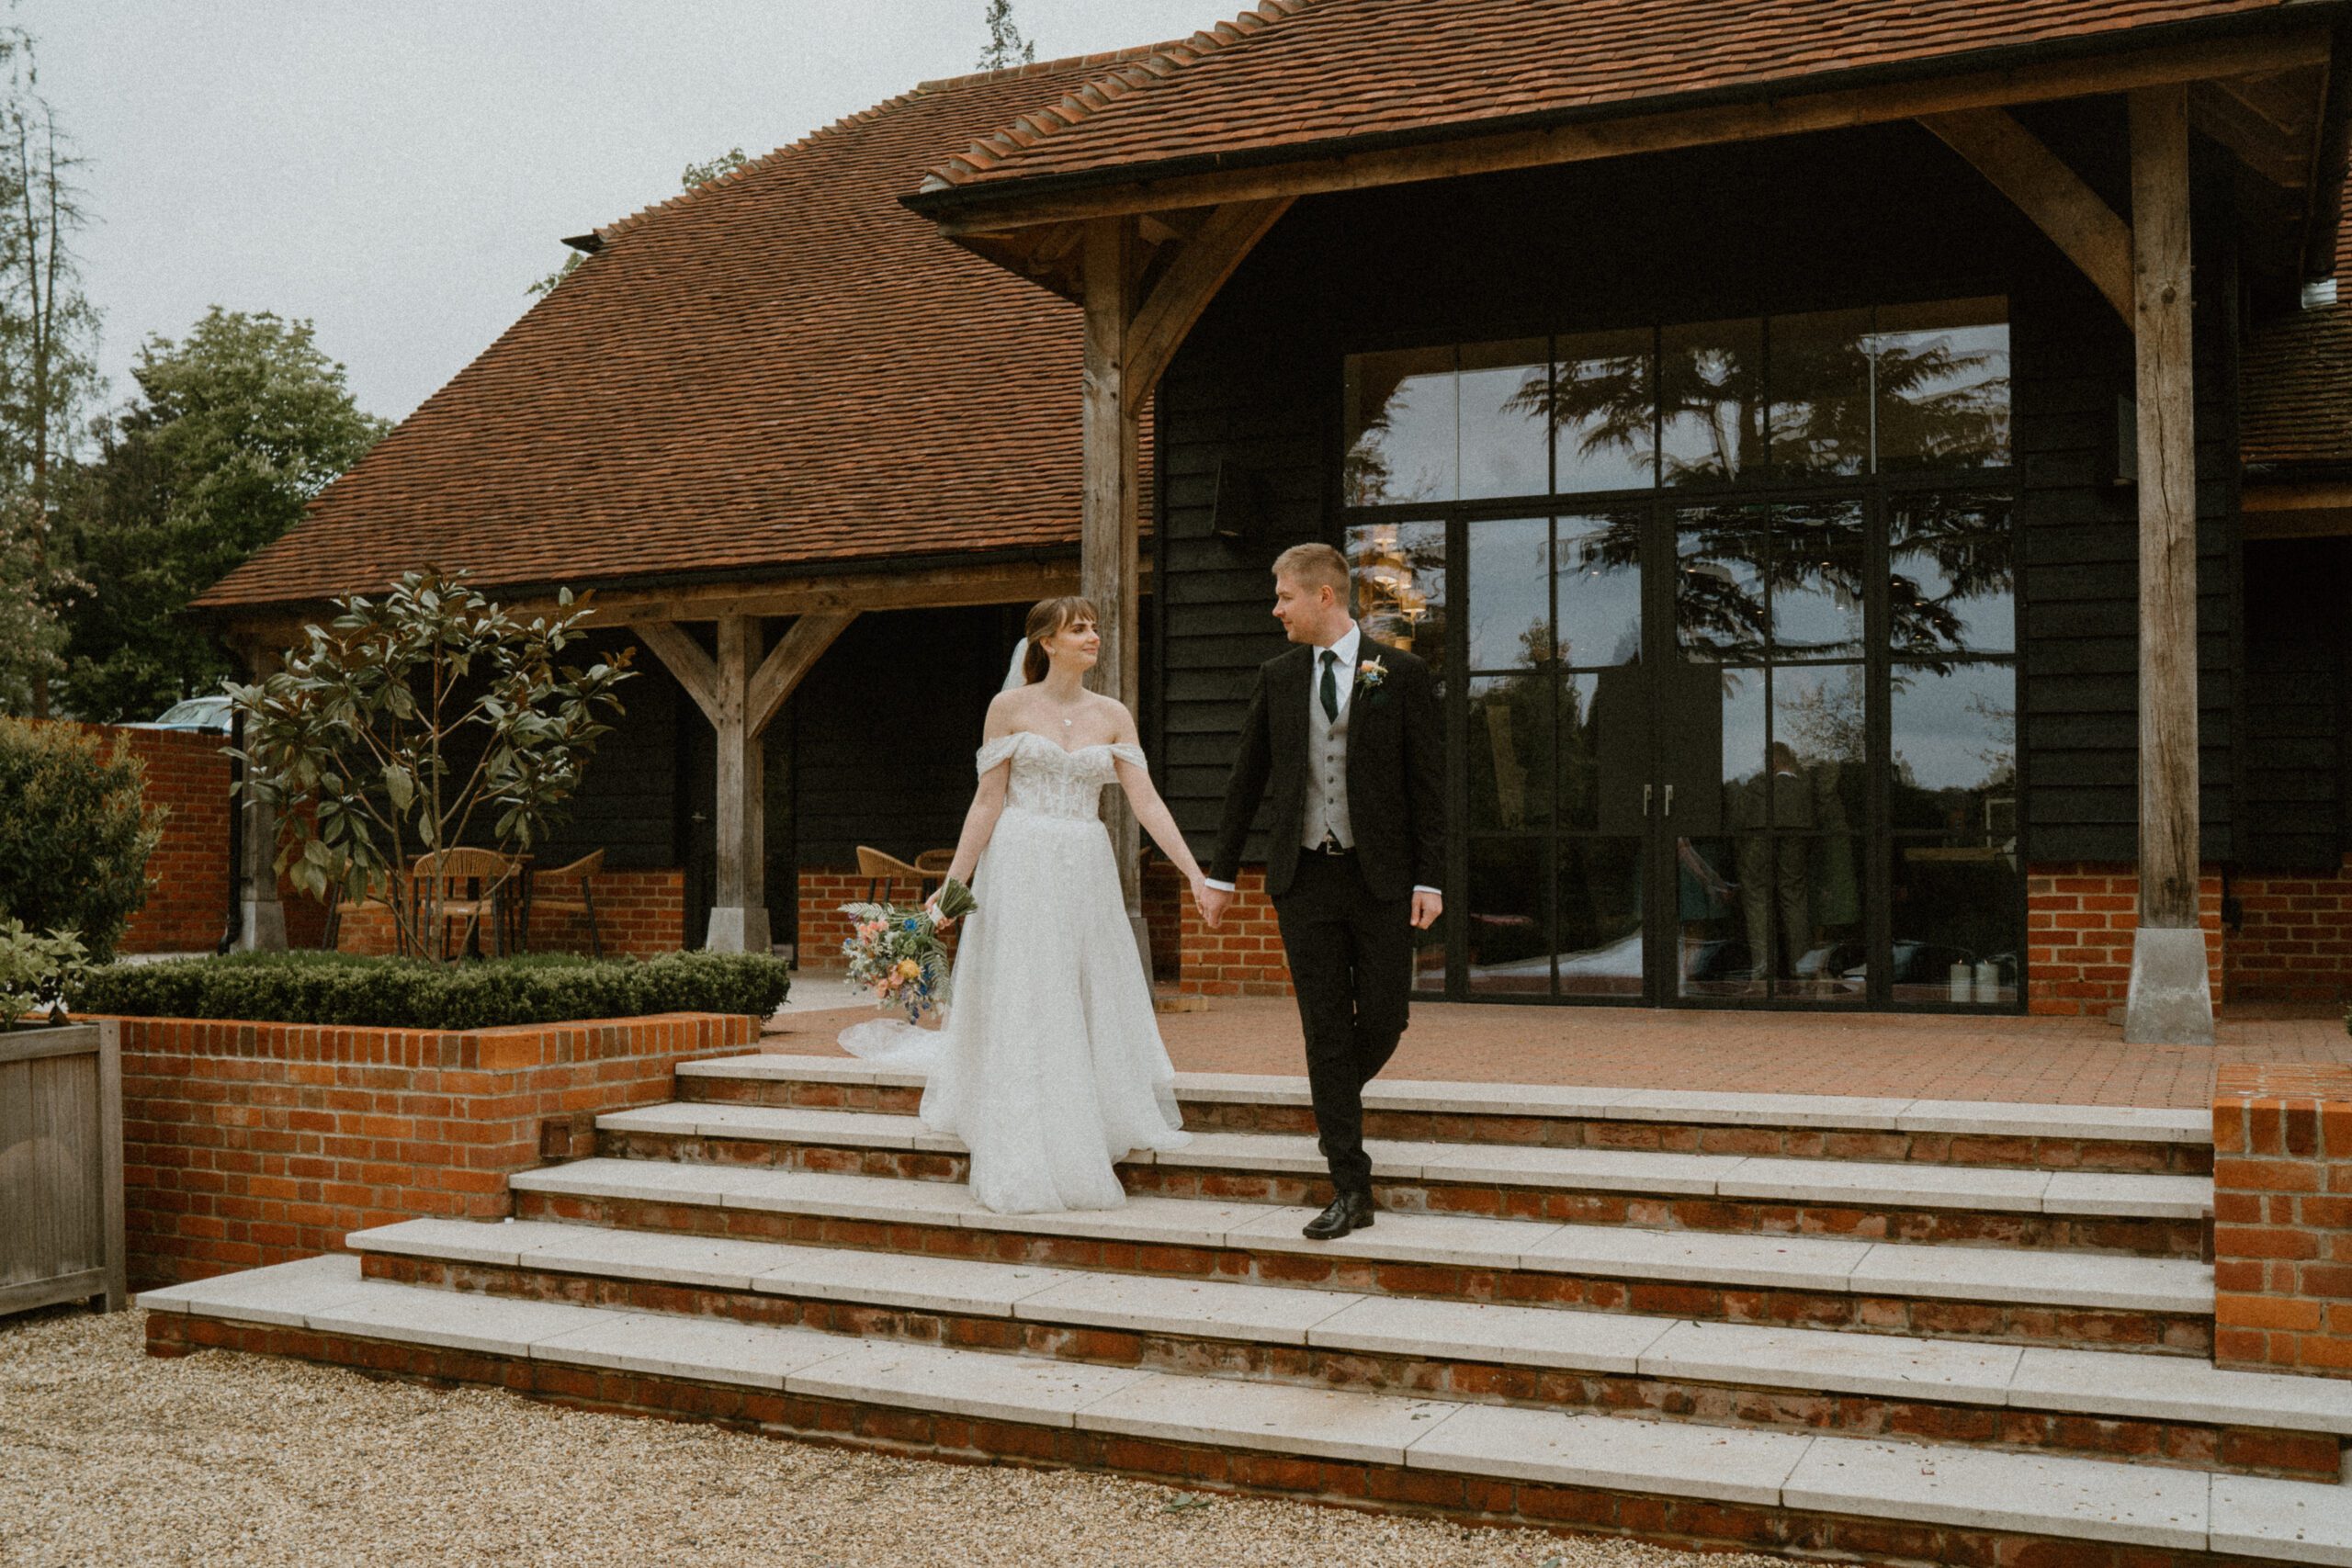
{"points": [[1327, 762]]}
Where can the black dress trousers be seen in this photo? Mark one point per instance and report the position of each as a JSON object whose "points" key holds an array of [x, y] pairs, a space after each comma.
{"points": [[1350, 956]]}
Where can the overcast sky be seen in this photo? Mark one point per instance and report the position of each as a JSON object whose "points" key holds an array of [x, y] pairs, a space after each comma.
{"points": [[399, 170]]}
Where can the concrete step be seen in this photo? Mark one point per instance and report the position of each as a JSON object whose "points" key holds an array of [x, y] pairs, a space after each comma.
{"points": [[1821, 1494], [2159, 1216], [2013, 1296], [2149, 1408], [2057, 1138]]}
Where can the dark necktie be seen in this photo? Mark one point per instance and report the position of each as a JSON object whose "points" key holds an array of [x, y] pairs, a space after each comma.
{"points": [[1330, 688]]}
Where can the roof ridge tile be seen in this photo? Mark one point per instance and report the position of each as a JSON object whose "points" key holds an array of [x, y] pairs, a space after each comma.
{"points": [[1157, 63]]}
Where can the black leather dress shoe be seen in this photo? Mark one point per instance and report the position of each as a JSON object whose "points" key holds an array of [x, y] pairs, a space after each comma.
{"points": [[1348, 1211]]}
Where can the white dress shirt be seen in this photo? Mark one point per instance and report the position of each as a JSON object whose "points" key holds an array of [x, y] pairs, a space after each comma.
{"points": [[1343, 675]]}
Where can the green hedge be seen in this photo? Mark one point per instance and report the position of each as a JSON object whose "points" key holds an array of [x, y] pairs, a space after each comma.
{"points": [[394, 993]]}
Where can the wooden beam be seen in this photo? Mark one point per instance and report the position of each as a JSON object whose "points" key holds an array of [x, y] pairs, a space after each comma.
{"points": [[2292, 495], [2242, 119], [1108, 554], [792, 657], [685, 661], [273, 627], [1652, 132], [1202, 264], [982, 583], [2022, 167]]}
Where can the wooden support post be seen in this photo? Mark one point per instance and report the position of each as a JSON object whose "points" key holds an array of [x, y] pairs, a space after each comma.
{"points": [[740, 694], [1108, 559], [738, 915], [2170, 1002], [261, 918]]}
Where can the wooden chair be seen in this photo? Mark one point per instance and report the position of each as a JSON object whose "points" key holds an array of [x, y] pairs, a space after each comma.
{"points": [[573, 894], [470, 884], [882, 871]]}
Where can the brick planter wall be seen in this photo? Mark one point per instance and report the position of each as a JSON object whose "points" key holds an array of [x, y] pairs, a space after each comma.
{"points": [[2282, 1218], [1243, 957], [639, 914], [2079, 920], [2293, 939], [247, 1144]]}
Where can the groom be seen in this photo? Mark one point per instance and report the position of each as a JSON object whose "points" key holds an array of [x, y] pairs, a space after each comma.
{"points": [[1346, 730]]}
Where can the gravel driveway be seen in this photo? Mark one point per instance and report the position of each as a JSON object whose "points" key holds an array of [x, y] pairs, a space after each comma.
{"points": [[106, 1456]]}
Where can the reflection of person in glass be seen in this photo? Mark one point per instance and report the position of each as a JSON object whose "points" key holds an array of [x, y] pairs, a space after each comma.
{"points": [[1773, 880]]}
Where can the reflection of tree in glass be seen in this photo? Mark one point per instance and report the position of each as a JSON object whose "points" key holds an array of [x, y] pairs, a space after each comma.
{"points": [[1958, 808], [1965, 541], [1366, 477], [1821, 720]]}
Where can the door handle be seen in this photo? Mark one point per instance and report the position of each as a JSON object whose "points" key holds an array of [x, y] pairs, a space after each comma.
{"points": [[1646, 790], [1669, 801]]}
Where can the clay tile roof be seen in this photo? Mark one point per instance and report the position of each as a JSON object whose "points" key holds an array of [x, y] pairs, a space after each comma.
{"points": [[2296, 378], [781, 368], [1293, 76]]}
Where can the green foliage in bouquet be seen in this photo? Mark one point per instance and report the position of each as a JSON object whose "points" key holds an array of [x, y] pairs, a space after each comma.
{"points": [[897, 956]]}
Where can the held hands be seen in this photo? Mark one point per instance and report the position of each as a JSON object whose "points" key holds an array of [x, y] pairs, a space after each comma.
{"points": [[1427, 908], [1211, 901]]}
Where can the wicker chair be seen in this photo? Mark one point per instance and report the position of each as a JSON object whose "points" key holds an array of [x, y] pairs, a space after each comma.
{"points": [[470, 881], [572, 894], [883, 871]]}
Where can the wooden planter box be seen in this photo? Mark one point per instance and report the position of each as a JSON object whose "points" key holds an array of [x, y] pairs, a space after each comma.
{"points": [[60, 1166]]}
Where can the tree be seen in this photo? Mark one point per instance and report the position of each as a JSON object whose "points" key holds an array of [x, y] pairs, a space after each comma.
{"points": [[1006, 46], [236, 428], [47, 365], [693, 174], [77, 833], [416, 724]]}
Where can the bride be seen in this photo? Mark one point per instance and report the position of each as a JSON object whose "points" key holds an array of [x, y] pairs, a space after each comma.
{"points": [[1049, 1066]]}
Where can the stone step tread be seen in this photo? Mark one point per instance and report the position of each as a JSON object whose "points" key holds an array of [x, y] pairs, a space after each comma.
{"points": [[1918, 1482], [1903, 1184], [2095, 1383], [2117, 1124], [1828, 1264]]}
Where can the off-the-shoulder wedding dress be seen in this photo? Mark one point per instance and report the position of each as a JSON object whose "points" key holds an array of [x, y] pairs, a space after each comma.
{"points": [[1049, 1066]]}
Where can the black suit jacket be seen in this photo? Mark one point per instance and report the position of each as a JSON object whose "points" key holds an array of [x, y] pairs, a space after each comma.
{"points": [[1396, 775]]}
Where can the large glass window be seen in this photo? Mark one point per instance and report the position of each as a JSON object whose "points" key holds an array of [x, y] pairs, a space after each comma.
{"points": [[1726, 618]]}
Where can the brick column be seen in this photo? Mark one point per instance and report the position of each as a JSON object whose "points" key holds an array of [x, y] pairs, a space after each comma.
{"points": [[2282, 1219]]}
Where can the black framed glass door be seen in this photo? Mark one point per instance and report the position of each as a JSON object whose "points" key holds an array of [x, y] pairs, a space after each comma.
{"points": [[1731, 707]]}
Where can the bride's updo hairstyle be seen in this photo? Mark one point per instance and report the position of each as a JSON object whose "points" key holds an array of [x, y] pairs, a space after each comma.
{"points": [[1046, 617]]}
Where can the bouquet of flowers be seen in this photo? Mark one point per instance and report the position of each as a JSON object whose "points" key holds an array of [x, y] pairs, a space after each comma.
{"points": [[896, 954]]}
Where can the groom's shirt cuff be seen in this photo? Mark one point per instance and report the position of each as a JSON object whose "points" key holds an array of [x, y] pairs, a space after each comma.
{"points": [[1421, 889]]}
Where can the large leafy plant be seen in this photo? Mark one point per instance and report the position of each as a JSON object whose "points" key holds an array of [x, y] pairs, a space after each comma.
{"points": [[414, 724], [36, 972]]}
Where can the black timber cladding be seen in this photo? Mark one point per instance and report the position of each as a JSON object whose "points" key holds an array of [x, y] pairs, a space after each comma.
{"points": [[1817, 222]]}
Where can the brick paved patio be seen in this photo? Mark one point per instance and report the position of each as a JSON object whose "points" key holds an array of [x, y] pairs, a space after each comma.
{"points": [[2081, 1061]]}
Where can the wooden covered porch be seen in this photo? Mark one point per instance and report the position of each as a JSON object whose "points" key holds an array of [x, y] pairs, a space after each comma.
{"points": [[1144, 242]]}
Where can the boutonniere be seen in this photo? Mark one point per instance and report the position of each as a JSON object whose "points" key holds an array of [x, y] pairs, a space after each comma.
{"points": [[1371, 673]]}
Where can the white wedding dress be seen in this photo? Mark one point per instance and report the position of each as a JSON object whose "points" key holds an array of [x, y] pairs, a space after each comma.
{"points": [[1049, 1066]]}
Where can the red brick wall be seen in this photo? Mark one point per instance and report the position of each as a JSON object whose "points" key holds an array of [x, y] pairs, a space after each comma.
{"points": [[823, 927], [2293, 939], [1243, 957], [2282, 1218], [2079, 920], [247, 1144], [639, 914], [187, 876]]}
